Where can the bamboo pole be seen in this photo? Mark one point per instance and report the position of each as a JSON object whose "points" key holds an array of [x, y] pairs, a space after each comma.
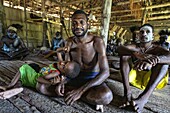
{"points": [[148, 7], [123, 34], [139, 20], [107, 5], [1, 18], [43, 23], [144, 15], [25, 20], [119, 32], [61, 19]]}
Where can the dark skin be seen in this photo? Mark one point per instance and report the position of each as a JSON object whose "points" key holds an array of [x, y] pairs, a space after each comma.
{"points": [[45, 84], [9, 41], [89, 52], [50, 87], [148, 56]]}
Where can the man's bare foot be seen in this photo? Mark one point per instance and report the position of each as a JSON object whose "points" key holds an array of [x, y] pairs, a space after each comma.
{"points": [[128, 99], [100, 108], [125, 105], [138, 104]]}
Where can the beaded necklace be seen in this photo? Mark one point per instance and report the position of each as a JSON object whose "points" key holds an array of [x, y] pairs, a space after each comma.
{"points": [[144, 51]]}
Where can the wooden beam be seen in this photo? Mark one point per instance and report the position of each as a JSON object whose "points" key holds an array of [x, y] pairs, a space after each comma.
{"points": [[75, 2], [63, 5], [107, 6], [124, 32], [25, 20], [160, 17], [148, 7], [155, 27], [130, 15], [1, 18], [145, 12], [124, 3], [138, 20], [159, 12], [44, 31], [94, 8]]}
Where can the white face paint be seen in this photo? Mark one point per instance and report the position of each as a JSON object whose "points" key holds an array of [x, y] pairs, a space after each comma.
{"points": [[146, 34]]}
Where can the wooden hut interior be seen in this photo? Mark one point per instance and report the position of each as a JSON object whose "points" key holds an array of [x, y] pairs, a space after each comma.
{"points": [[42, 18]]}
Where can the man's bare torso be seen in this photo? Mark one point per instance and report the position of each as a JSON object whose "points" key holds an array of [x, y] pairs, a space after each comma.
{"points": [[85, 53]]}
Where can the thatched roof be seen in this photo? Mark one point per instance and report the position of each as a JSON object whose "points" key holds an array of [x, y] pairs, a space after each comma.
{"points": [[125, 13]]}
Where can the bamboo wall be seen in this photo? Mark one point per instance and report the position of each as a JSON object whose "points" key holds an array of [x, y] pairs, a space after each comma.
{"points": [[34, 29]]}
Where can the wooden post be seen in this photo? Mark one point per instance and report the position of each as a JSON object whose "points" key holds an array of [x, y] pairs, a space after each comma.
{"points": [[44, 24], [1, 18], [144, 18], [25, 20], [107, 5], [61, 19]]}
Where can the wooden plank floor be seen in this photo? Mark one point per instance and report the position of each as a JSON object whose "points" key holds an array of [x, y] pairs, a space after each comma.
{"points": [[29, 101]]}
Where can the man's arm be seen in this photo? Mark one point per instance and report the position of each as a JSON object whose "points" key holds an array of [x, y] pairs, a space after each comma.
{"points": [[52, 78], [22, 45], [127, 50], [160, 53], [103, 65], [64, 50], [67, 53]]}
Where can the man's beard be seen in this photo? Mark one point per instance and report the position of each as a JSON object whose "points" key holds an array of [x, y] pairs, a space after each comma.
{"points": [[80, 35]]}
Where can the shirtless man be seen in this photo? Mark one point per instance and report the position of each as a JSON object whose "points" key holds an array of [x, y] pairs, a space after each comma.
{"points": [[89, 52], [11, 45], [148, 57]]}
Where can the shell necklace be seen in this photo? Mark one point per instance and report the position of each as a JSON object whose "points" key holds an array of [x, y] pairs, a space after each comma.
{"points": [[143, 50]]}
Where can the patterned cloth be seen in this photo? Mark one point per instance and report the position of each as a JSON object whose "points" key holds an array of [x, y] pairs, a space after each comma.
{"points": [[50, 69]]}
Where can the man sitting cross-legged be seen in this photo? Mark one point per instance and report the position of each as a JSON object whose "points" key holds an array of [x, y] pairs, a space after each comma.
{"points": [[149, 70]]}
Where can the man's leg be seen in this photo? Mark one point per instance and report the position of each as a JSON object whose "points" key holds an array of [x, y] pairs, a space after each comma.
{"points": [[125, 69], [46, 89], [99, 96], [158, 72]]}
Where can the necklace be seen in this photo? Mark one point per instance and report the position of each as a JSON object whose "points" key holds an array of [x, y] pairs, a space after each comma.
{"points": [[143, 50]]}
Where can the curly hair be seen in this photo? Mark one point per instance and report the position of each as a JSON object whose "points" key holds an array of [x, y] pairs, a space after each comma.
{"points": [[80, 12], [73, 69]]}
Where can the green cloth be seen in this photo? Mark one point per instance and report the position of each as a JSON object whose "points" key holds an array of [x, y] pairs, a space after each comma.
{"points": [[28, 76]]}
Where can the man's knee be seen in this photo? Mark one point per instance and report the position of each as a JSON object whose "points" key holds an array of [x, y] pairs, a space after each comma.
{"points": [[107, 97], [101, 96]]}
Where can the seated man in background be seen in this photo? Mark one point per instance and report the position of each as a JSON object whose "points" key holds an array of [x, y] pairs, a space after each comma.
{"points": [[163, 39], [57, 41], [12, 47], [163, 42], [149, 71]]}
